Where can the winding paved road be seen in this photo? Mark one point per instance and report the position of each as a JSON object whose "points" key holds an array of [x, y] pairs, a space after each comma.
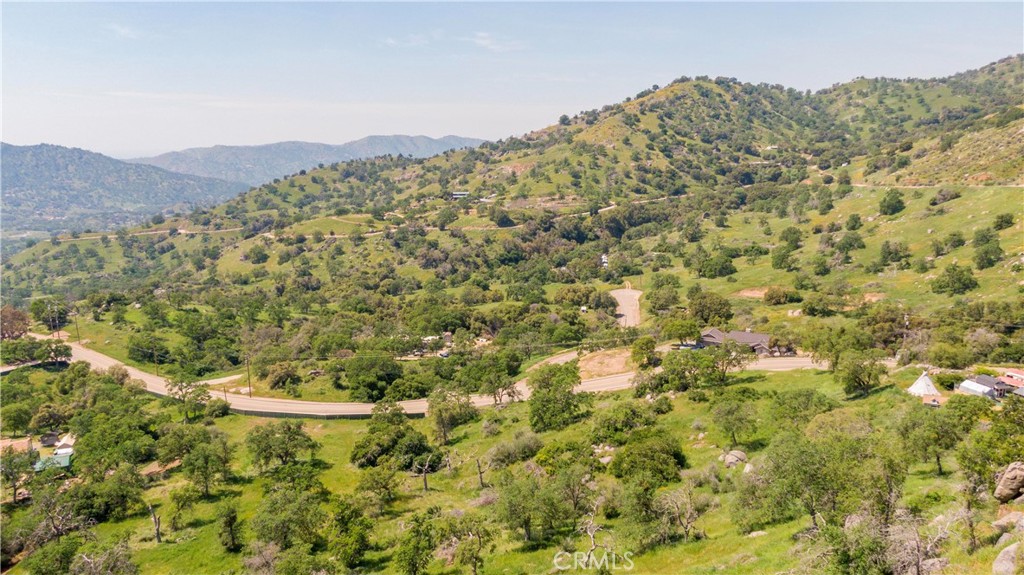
{"points": [[273, 407]]}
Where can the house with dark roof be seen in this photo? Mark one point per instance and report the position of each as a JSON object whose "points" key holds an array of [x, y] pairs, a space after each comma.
{"points": [[1000, 388], [49, 439], [985, 385], [760, 343], [968, 387]]}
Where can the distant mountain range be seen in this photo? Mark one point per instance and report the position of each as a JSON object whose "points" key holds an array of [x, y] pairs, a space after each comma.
{"points": [[53, 188], [260, 164], [49, 188]]}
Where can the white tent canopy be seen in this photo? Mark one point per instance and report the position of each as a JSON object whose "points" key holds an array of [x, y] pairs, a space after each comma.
{"points": [[923, 386]]}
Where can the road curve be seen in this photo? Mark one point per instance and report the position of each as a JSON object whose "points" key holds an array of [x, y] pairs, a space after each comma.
{"points": [[273, 407]]}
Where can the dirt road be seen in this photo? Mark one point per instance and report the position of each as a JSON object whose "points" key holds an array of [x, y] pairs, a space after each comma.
{"points": [[628, 299]]}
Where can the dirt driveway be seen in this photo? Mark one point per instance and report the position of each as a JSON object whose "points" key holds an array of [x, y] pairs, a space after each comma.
{"points": [[628, 299]]}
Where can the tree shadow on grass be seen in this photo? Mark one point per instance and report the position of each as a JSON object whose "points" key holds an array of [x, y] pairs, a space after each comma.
{"points": [[320, 464], [745, 379], [533, 545], [53, 367], [375, 565], [199, 522], [455, 439], [872, 392], [754, 444], [216, 496]]}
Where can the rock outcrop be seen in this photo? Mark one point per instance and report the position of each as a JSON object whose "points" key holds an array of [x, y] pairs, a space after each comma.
{"points": [[1006, 561], [1011, 482], [734, 458], [1009, 522]]}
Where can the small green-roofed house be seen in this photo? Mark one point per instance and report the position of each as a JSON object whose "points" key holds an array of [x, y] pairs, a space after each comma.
{"points": [[62, 461]]}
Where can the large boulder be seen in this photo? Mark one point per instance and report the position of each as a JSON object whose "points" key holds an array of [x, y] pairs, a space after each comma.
{"points": [[1006, 561], [1009, 522], [1011, 482], [734, 457]]}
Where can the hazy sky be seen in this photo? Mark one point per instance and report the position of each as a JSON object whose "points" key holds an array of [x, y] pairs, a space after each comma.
{"points": [[141, 79]]}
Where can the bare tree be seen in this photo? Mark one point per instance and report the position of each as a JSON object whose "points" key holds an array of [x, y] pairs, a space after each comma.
{"points": [[480, 472], [422, 469], [116, 560], [970, 497], [590, 527], [684, 506], [452, 461], [56, 515], [262, 559], [908, 546]]}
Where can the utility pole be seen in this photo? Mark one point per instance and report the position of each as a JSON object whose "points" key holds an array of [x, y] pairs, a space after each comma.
{"points": [[248, 375], [77, 331]]}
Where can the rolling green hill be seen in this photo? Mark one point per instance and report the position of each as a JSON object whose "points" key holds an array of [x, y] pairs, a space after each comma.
{"points": [[671, 159], [836, 222]]}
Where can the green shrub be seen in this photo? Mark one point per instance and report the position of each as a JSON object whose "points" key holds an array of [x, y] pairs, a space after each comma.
{"points": [[525, 445]]}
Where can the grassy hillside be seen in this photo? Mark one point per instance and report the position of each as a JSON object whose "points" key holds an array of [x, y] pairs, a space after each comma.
{"points": [[194, 548], [991, 154]]}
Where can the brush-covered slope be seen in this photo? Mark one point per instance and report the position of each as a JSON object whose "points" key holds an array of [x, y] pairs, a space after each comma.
{"points": [[260, 164], [53, 188], [689, 160]]}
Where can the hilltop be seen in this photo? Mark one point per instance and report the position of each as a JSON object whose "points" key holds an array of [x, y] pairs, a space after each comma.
{"points": [[260, 164], [703, 134]]}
